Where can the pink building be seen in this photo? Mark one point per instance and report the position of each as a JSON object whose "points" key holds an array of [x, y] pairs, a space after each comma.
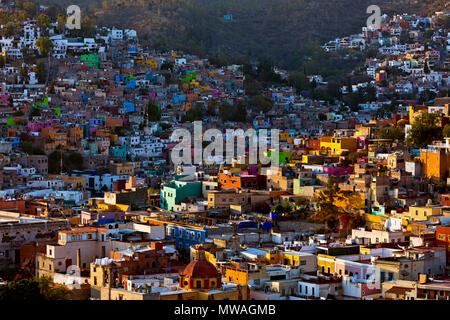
{"points": [[338, 171], [362, 143], [360, 278], [38, 126]]}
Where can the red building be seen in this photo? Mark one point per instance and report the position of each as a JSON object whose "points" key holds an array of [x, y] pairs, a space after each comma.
{"points": [[443, 239], [445, 199], [314, 144], [145, 260]]}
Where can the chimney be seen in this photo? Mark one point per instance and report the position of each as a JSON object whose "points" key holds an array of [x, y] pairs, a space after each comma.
{"points": [[79, 258]]}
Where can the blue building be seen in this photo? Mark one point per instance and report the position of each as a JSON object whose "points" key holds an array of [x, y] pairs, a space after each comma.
{"points": [[129, 107], [179, 98], [186, 236], [118, 151]]}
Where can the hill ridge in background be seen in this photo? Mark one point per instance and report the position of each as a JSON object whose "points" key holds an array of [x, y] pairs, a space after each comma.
{"points": [[277, 30]]}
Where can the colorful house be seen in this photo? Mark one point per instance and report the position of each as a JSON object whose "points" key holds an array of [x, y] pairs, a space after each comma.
{"points": [[173, 193], [335, 146]]}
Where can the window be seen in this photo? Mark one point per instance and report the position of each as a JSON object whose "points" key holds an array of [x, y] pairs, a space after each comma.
{"points": [[390, 276], [198, 284]]}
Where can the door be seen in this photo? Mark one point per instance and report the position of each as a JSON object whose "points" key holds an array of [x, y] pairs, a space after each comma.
{"points": [[17, 256]]}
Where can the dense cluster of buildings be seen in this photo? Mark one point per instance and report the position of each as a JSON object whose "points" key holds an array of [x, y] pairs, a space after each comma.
{"points": [[89, 196]]}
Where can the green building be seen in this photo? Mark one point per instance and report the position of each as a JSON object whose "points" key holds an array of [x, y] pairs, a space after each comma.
{"points": [[91, 59], [174, 192], [280, 157]]}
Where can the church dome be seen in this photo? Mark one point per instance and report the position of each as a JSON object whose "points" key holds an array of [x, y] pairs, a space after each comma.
{"points": [[200, 269]]}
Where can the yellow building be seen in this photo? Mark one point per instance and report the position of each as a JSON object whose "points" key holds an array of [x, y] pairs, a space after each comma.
{"points": [[284, 136], [122, 168], [326, 263], [335, 146], [244, 276], [77, 183], [422, 213], [415, 111]]}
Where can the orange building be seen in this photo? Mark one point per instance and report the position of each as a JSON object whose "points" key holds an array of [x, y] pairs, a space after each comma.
{"points": [[76, 133], [200, 275], [113, 122], [25, 207], [200, 280], [229, 181], [435, 163]]}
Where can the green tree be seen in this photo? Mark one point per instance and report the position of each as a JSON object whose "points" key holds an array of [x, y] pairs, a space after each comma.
{"points": [[9, 30], [326, 201], [441, 187], [298, 80], [27, 147], [153, 113], [41, 72], [424, 130], [43, 21], [62, 19], [394, 133], [32, 289], [195, 113], [263, 103], [44, 44], [23, 73], [446, 131]]}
